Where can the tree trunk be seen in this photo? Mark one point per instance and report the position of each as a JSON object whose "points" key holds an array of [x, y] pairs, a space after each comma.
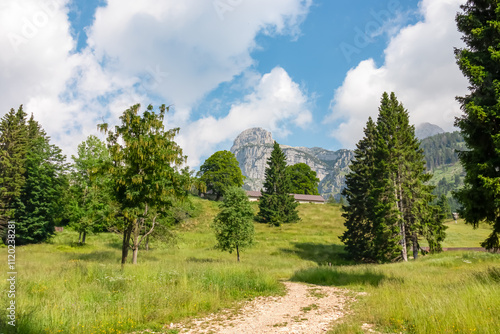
{"points": [[402, 225], [126, 243], [238, 253], [135, 246], [415, 245], [147, 242], [84, 236], [80, 238]]}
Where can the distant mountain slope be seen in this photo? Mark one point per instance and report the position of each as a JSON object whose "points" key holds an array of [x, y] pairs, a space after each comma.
{"points": [[253, 147], [441, 149], [425, 130]]}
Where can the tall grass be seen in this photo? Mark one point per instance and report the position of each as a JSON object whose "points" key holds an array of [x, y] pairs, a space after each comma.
{"points": [[456, 292], [66, 288]]}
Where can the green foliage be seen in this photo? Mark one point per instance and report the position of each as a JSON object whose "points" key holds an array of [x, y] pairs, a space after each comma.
{"points": [[389, 202], [40, 202], [90, 204], [480, 124], [441, 149], [233, 226], [303, 179], [144, 168], [13, 148], [221, 171], [277, 206]]}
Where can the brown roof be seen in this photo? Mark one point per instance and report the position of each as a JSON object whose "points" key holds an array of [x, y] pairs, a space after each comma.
{"points": [[311, 198], [298, 197]]}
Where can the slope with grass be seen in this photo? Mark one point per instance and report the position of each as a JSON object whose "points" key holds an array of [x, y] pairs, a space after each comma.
{"points": [[66, 288]]}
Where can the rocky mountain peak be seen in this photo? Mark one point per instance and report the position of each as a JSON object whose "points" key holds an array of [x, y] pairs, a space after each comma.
{"points": [[253, 136], [425, 130]]}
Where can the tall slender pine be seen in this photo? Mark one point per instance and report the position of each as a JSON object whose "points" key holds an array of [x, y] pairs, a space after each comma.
{"points": [[277, 206]]}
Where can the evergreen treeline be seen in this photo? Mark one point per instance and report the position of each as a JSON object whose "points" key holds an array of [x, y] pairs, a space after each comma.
{"points": [[33, 177], [389, 208], [442, 148]]}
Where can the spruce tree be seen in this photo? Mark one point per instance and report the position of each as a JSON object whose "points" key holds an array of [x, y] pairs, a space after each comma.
{"points": [[277, 206], [480, 123], [389, 202], [358, 213], [39, 205], [13, 148]]}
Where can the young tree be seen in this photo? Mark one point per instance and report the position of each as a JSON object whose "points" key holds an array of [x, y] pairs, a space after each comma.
{"points": [[277, 206], [39, 204], [233, 225], [13, 149], [480, 124], [144, 167], [221, 171], [303, 179], [90, 189]]}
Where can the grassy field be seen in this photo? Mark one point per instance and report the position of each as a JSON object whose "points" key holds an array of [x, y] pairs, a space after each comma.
{"points": [[66, 288]]}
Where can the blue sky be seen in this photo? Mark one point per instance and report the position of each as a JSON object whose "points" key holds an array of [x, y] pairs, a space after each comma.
{"points": [[310, 71]]}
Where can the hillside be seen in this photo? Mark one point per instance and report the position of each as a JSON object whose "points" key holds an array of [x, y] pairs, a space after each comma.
{"points": [[253, 147], [76, 289]]}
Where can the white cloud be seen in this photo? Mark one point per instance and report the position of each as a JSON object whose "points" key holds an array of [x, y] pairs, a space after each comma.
{"points": [[419, 67], [149, 51], [195, 45], [275, 102]]}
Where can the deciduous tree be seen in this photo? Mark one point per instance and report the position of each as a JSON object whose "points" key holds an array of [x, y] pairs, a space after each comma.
{"points": [[145, 169], [303, 179], [233, 225], [221, 171]]}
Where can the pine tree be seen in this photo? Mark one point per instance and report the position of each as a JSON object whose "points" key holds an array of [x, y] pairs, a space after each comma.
{"points": [[358, 213], [480, 124], [277, 206], [13, 148], [39, 205], [389, 202]]}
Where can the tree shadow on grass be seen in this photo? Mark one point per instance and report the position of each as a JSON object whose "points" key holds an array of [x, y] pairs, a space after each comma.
{"points": [[339, 277], [322, 254], [201, 260], [97, 256]]}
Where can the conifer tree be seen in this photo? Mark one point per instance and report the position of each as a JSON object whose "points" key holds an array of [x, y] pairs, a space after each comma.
{"points": [[277, 206], [358, 213], [39, 205], [13, 148], [480, 123], [389, 203]]}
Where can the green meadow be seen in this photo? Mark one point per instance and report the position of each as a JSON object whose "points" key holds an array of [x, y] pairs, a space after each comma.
{"points": [[63, 287]]}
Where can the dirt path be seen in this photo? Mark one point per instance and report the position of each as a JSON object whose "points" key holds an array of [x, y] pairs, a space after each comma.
{"points": [[304, 309]]}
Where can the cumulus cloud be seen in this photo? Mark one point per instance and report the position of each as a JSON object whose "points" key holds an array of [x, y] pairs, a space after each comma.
{"points": [[192, 45], [172, 52], [419, 67], [275, 103]]}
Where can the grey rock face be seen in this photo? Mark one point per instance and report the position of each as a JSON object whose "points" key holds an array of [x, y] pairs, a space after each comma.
{"points": [[253, 147]]}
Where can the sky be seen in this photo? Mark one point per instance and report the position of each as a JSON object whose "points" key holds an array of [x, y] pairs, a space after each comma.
{"points": [[309, 71]]}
